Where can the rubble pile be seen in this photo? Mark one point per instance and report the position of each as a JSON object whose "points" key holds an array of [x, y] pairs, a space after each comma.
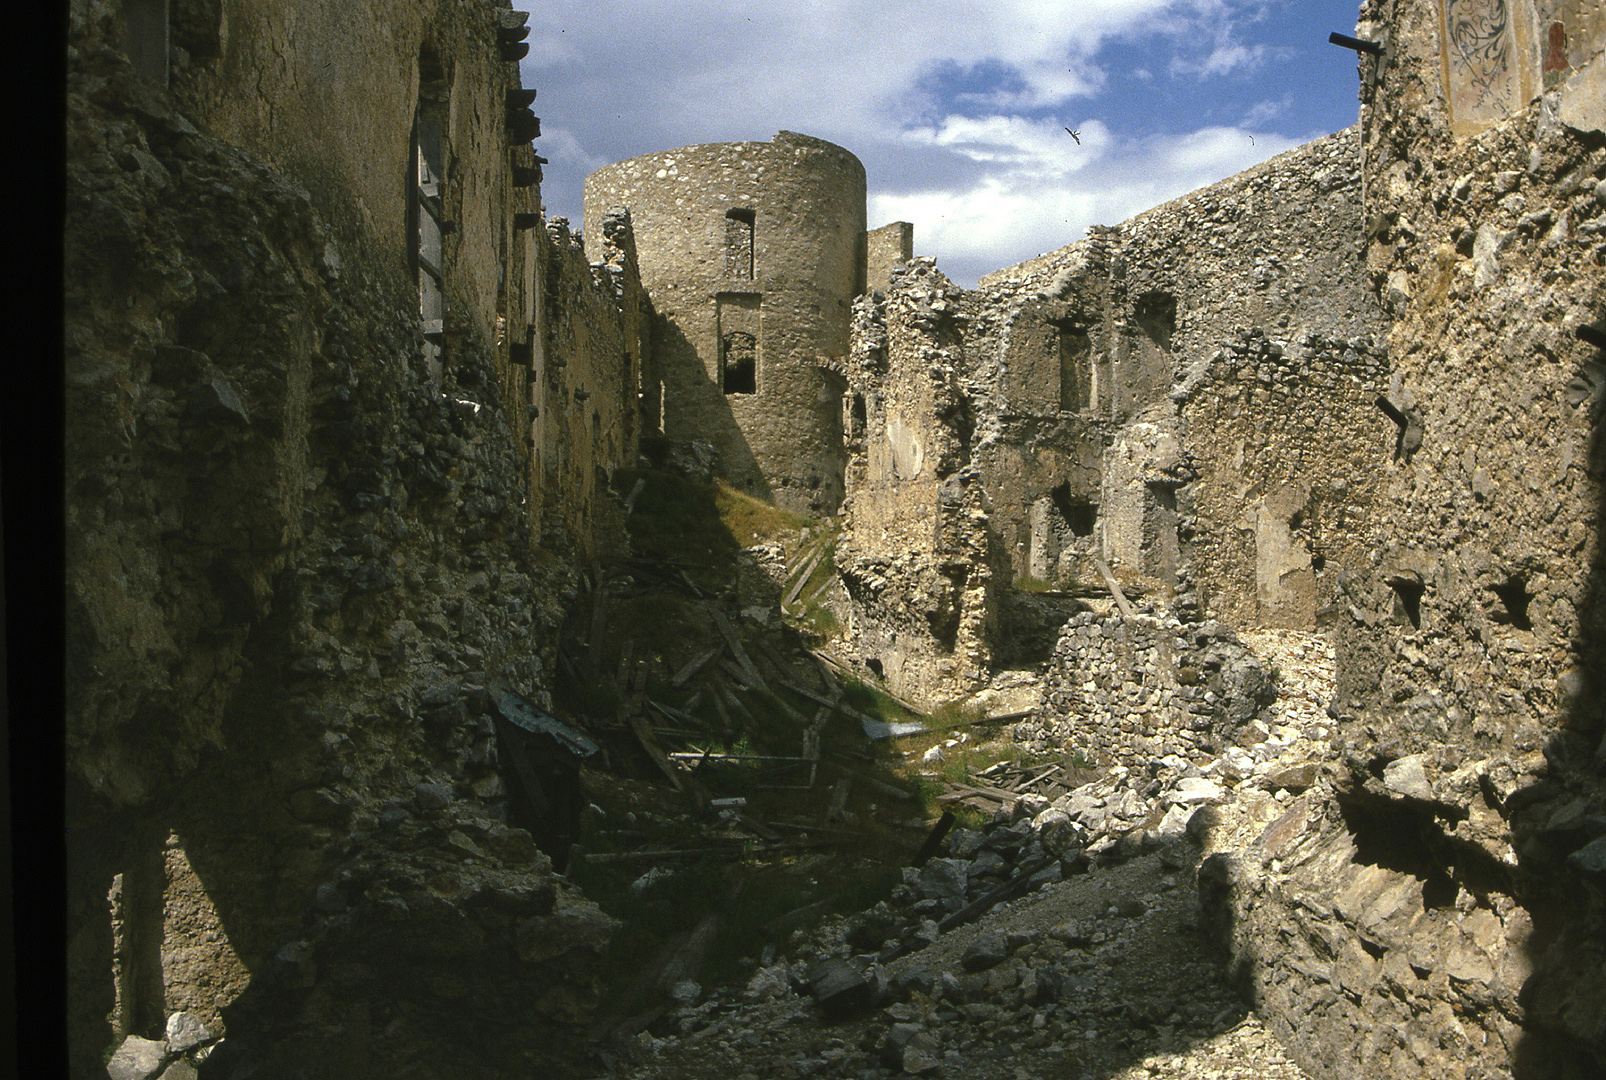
{"points": [[1061, 938]]}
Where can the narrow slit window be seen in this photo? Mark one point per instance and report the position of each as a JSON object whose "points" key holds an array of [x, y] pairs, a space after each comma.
{"points": [[1408, 592], [1076, 368], [428, 216], [739, 243]]}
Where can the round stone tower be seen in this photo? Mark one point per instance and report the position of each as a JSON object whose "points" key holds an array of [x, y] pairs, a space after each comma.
{"points": [[751, 254]]}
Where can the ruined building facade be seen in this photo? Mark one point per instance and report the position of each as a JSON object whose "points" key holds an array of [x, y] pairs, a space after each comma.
{"points": [[343, 410]]}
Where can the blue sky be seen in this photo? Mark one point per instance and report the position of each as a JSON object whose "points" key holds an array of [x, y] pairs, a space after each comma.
{"points": [[958, 110]]}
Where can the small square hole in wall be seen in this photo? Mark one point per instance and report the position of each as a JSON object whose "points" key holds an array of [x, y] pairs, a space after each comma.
{"points": [[1508, 604], [1408, 590]]}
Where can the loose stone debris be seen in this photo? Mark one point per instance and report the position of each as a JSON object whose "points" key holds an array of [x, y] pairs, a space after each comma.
{"points": [[1101, 967]]}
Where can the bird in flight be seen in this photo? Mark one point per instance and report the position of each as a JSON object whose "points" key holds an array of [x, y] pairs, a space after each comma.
{"points": [[1077, 135]]}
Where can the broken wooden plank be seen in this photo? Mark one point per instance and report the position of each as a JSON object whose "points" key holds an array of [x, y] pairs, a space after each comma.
{"points": [[836, 705], [1115, 589], [728, 632], [803, 577], [649, 742], [934, 839], [737, 672], [694, 665], [878, 785], [988, 901], [839, 799], [635, 493], [957, 791]]}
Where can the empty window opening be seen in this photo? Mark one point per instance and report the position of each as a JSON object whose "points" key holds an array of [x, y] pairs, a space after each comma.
{"points": [[1076, 368], [1156, 315], [1408, 437], [1408, 592], [428, 224], [1079, 514], [858, 418], [739, 243], [1509, 606], [739, 362]]}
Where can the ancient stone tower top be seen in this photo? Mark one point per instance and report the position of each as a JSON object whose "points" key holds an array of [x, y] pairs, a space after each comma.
{"points": [[752, 254]]}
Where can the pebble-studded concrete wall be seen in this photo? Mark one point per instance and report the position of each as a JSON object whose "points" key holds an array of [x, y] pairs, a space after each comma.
{"points": [[299, 555], [750, 250]]}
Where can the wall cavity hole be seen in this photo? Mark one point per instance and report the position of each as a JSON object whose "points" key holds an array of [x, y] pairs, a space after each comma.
{"points": [[1510, 604], [1408, 600], [1079, 514], [1318, 562], [875, 665]]}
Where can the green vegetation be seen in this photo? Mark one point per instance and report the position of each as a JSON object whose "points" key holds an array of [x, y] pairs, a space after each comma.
{"points": [[1032, 584], [955, 714], [751, 521]]}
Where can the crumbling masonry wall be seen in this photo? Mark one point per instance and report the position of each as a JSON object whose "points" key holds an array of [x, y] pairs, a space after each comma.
{"points": [[1434, 907], [1188, 396], [302, 532], [917, 557], [1189, 393]]}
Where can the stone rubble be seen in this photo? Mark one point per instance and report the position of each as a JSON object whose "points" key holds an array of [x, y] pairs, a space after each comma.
{"points": [[188, 1043], [1103, 970]]}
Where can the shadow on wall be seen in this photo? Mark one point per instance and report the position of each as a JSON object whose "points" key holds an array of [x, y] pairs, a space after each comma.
{"points": [[696, 405], [1561, 870]]}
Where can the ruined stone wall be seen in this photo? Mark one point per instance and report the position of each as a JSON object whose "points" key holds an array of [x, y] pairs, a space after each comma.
{"points": [[752, 254], [1128, 691], [916, 558], [1188, 396], [1167, 387], [1435, 908], [300, 554]]}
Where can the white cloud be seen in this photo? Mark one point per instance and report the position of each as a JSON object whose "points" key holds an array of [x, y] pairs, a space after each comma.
{"points": [[958, 109], [1044, 197], [1222, 60]]}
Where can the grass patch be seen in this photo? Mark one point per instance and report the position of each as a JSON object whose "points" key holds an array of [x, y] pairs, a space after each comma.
{"points": [[750, 521], [955, 714], [1032, 584], [875, 703]]}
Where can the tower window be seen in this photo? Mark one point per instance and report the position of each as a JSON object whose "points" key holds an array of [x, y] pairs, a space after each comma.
{"points": [[739, 243], [739, 362]]}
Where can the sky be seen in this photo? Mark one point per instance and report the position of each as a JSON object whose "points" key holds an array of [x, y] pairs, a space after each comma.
{"points": [[958, 110]]}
